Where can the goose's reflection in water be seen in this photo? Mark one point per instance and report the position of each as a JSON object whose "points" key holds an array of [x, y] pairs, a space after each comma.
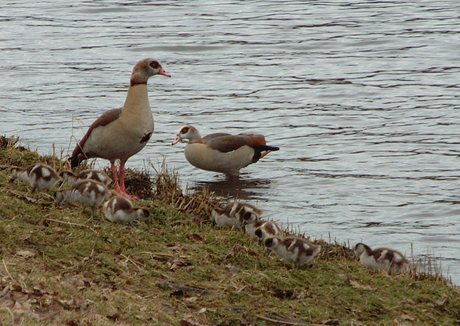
{"points": [[242, 187]]}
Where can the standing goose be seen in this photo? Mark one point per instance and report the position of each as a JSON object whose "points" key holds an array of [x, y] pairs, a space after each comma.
{"points": [[389, 260], [121, 133], [221, 152]]}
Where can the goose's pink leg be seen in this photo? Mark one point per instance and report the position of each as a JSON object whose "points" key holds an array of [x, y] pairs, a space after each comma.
{"points": [[122, 187]]}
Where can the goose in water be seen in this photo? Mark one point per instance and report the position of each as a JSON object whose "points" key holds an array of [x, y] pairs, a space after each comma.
{"points": [[221, 152]]}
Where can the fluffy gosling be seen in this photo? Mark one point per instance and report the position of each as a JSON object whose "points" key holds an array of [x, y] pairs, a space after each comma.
{"points": [[120, 209], [292, 249], [262, 229], [389, 260], [39, 176], [87, 192], [71, 178], [235, 214]]}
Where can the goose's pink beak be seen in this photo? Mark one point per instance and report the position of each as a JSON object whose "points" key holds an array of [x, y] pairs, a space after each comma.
{"points": [[163, 72], [177, 139]]}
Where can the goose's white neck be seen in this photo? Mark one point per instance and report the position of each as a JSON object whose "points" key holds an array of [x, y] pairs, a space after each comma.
{"points": [[136, 112], [136, 100]]}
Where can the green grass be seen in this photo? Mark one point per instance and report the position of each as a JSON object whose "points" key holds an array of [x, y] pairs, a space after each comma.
{"points": [[60, 267]]}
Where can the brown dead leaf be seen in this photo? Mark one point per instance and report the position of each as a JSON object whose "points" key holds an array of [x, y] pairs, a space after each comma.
{"points": [[16, 287], [191, 299], [197, 237], [24, 308], [26, 253], [173, 247], [356, 285], [176, 262], [406, 316], [38, 292], [117, 318]]}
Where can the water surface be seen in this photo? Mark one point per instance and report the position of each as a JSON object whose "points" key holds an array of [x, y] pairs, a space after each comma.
{"points": [[362, 98]]}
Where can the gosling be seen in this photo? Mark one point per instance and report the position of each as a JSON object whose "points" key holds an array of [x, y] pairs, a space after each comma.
{"points": [[236, 214], [120, 209], [39, 176], [263, 229], [71, 178], [391, 261], [293, 249], [87, 192]]}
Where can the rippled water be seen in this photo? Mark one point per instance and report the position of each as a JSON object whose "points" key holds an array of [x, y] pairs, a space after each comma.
{"points": [[362, 98]]}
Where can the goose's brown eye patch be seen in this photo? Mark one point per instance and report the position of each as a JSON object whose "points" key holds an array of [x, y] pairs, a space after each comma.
{"points": [[154, 64], [185, 130]]}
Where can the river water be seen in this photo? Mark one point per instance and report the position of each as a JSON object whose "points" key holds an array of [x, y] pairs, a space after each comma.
{"points": [[361, 97]]}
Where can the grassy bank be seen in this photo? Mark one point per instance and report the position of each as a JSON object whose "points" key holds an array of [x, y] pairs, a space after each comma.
{"points": [[59, 266]]}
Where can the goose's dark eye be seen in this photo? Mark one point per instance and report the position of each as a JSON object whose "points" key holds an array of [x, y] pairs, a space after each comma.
{"points": [[185, 130], [154, 64], [247, 216]]}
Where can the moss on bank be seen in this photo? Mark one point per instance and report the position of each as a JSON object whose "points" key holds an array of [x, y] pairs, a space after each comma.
{"points": [[58, 266]]}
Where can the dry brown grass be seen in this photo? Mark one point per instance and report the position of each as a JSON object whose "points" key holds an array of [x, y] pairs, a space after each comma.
{"points": [[168, 190]]}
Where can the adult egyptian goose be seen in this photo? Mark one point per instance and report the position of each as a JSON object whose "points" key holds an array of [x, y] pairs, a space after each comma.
{"points": [[293, 249], [71, 178], [389, 260], [235, 214], [87, 192], [39, 176], [221, 152], [121, 133], [120, 209]]}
